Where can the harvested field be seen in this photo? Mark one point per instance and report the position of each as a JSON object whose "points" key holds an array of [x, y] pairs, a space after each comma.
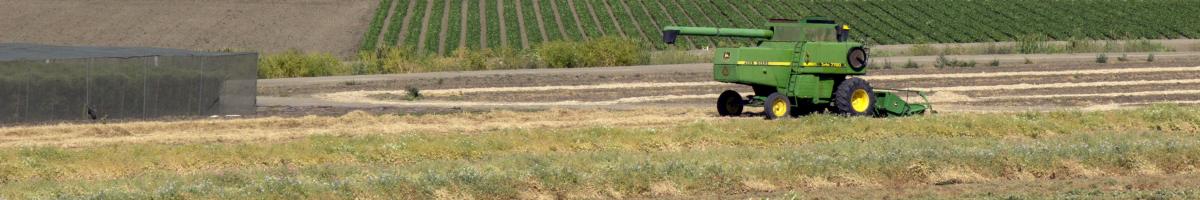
{"points": [[1008, 88]]}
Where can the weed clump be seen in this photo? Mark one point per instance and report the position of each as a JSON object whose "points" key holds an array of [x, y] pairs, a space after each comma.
{"points": [[1101, 58], [293, 63]]}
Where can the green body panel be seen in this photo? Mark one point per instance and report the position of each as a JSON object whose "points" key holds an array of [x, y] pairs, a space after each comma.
{"points": [[804, 60]]}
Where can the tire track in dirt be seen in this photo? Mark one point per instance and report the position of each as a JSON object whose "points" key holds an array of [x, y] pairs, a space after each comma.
{"points": [[562, 29], [441, 50], [483, 26], [425, 26], [386, 23], [637, 25], [503, 27], [596, 19], [521, 25], [613, 17], [578, 22], [1026, 86], [1034, 73], [463, 26], [412, 6], [537, 10]]}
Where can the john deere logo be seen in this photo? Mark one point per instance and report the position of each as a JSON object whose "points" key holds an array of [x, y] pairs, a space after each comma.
{"points": [[726, 56], [725, 71]]}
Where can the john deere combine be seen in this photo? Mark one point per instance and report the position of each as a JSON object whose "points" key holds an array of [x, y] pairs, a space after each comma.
{"points": [[798, 67]]}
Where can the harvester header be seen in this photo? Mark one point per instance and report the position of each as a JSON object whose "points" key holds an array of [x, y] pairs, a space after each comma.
{"points": [[671, 32], [798, 67]]}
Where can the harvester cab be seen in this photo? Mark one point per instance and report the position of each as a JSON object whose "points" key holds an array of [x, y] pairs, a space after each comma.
{"points": [[799, 67]]}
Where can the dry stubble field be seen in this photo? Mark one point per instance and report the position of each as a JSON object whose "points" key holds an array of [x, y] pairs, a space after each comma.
{"points": [[1017, 131]]}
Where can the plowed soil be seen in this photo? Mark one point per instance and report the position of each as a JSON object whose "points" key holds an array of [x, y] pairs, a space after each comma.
{"points": [[334, 26], [1017, 87]]}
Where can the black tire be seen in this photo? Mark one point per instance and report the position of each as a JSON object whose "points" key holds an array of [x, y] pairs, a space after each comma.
{"points": [[730, 104], [857, 59], [777, 101], [844, 98]]}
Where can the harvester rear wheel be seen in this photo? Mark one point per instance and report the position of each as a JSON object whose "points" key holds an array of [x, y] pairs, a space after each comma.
{"points": [[854, 97], [730, 103], [777, 106]]}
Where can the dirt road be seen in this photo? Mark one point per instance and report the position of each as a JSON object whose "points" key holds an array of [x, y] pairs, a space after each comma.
{"points": [[1059, 82]]}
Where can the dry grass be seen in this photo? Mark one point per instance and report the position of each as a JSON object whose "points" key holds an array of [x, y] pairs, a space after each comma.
{"points": [[589, 154]]}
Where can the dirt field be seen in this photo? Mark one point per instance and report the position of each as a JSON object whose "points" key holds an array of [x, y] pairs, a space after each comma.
{"points": [[1057, 84], [333, 26]]}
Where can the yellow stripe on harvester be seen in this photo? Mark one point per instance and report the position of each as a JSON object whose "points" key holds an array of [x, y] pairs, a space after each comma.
{"points": [[764, 63]]}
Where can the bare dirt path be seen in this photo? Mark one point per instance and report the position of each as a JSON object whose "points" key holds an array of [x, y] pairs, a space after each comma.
{"points": [[521, 25], [562, 29], [613, 18], [442, 34], [595, 18], [425, 25], [578, 22], [537, 10], [637, 25], [379, 39], [408, 15], [462, 29], [501, 21]]}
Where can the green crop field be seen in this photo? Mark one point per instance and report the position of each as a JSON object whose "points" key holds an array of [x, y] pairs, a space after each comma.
{"points": [[877, 22]]}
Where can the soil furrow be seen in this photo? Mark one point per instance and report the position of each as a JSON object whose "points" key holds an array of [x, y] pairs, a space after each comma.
{"points": [[673, 22], [613, 18], [595, 18], [425, 25], [441, 50], [379, 40], [412, 6], [521, 25], [1036, 73], [503, 27], [689, 18], [462, 31], [483, 26], [537, 10], [578, 22], [562, 29], [636, 24]]}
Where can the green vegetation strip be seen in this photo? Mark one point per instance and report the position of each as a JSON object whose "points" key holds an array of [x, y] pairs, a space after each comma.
{"points": [[708, 157]]}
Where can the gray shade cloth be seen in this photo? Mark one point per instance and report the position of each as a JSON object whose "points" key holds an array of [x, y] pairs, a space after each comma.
{"points": [[24, 51], [40, 83]]}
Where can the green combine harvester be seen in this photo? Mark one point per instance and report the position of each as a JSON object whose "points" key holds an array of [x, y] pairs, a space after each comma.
{"points": [[799, 67]]}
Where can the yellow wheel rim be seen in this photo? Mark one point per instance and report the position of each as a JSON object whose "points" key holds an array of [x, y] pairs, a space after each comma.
{"points": [[779, 108], [860, 101]]}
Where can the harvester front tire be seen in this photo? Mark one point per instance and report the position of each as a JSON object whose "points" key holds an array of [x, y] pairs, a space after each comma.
{"points": [[730, 104], [777, 106], [854, 97]]}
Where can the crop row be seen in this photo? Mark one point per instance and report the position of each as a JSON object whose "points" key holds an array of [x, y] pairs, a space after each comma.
{"points": [[878, 22]]}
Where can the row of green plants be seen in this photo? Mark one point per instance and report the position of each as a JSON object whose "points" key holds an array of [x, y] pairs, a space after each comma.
{"points": [[876, 22], [602, 51]]}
